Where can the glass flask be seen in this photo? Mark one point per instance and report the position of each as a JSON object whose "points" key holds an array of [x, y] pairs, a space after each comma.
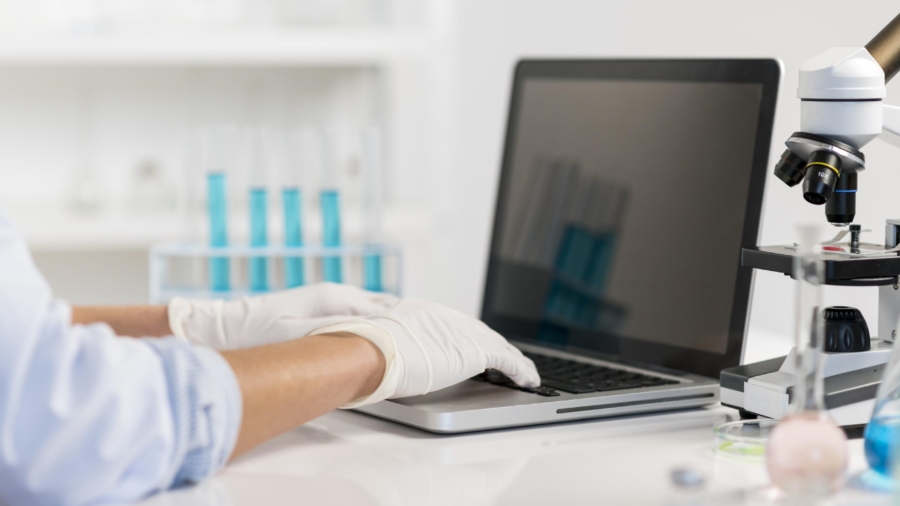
{"points": [[883, 430], [807, 452]]}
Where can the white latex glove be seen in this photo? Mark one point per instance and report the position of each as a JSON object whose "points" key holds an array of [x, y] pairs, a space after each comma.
{"points": [[272, 318], [428, 347]]}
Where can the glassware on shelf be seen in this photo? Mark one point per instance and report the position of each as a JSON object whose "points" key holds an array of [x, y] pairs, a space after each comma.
{"points": [[270, 158], [217, 146], [373, 199], [151, 194], [292, 206], [87, 194], [258, 160], [330, 202], [217, 205], [321, 151], [168, 280], [807, 451], [191, 187]]}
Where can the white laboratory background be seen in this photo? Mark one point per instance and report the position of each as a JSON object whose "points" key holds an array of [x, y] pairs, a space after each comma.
{"points": [[96, 97]]}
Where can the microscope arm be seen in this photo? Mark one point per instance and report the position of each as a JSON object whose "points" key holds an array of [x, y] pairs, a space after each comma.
{"points": [[885, 48]]}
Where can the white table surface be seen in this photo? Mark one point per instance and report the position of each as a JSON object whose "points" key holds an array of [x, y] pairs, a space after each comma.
{"points": [[346, 458]]}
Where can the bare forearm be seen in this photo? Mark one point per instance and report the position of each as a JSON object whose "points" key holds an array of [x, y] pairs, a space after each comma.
{"points": [[287, 384], [134, 321]]}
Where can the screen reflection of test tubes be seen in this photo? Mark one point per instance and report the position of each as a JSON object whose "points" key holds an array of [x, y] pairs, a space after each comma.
{"points": [[258, 206], [373, 160], [329, 200], [215, 143], [292, 205]]}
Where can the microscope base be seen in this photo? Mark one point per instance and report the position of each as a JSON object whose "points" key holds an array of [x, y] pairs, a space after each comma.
{"points": [[851, 384]]}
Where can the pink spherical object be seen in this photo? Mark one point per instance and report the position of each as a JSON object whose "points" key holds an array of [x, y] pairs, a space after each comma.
{"points": [[807, 452]]}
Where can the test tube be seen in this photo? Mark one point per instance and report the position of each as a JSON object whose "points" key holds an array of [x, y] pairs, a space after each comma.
{"points": [[373, 160], [214, 147], [292, 203], [258, 207], [217, 205], [329, 200], [331, 233]]}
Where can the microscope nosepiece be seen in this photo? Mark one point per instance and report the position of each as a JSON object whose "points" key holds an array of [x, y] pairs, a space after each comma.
{"points": [[822, 173]]}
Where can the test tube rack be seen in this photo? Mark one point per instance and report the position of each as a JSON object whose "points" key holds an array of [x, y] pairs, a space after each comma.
{"points": [[182, 269]]}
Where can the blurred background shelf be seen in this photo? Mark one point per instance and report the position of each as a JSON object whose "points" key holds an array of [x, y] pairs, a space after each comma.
{"points": [[100, 91], [312, 47], [55, 229], [434, 74]]}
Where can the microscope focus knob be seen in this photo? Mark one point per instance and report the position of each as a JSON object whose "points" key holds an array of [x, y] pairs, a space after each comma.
{"points": [[845, 330]]}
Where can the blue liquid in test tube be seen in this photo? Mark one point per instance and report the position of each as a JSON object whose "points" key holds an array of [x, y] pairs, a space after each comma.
{"points": [[373, 158], [331, 233], [293, 235], [217, 207], [372, 270], [259, 266]]}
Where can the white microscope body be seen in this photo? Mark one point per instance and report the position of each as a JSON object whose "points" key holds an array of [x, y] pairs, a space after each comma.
{"points": [[841, 93]]}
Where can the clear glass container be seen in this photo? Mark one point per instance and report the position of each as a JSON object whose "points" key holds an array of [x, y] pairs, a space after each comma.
{"points": [[882, 435], [744, 439], [807, 451], [169, 262]]}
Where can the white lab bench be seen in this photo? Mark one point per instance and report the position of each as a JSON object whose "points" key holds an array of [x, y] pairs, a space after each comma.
{"points": [[346, 458]]}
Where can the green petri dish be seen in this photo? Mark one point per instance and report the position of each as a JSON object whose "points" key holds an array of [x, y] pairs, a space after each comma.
{"points": [[746, 439]]}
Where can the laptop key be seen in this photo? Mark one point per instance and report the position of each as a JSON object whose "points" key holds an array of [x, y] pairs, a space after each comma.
{"points": [[496, 377], [541, 390], [567, 387]]}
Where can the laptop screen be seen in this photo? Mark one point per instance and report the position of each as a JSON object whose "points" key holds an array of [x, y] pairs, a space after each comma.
{"points": [[622, 213]]}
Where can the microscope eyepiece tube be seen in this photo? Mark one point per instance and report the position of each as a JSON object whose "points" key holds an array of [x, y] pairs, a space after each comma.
{"points": [[822, 173], [841, 207], [885, 48]]}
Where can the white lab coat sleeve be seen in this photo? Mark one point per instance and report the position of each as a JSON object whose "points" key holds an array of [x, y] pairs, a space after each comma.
{"points": [[88, 417]]}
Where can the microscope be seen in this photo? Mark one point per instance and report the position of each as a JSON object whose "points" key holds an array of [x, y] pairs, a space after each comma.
{"points": [[841, 109]]}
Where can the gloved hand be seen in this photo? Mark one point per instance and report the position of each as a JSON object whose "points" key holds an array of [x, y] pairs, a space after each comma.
{"points": [[428, 347], [266, 319]]}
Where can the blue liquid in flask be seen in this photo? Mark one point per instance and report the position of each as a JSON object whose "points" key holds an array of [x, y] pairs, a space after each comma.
{"points": [[259, 266], [331, 234], [217, 207], [293, 235], [882, 437]]}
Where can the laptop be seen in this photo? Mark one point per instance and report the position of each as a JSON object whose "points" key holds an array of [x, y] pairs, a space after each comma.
{"points": [[627, 191]]}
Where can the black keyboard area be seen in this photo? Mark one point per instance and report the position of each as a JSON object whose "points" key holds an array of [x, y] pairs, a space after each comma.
{"points": [[574, 377]]}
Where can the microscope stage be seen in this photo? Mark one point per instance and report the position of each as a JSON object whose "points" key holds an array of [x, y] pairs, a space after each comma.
{"points": [[840, 268]]}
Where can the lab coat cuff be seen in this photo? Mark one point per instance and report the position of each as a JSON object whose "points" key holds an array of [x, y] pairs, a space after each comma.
{"points": [[206, 408], [381, 338], [230, 393]]}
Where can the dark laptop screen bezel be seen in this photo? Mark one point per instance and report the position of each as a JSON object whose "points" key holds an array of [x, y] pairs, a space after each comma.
{"points": [[766, 72]]}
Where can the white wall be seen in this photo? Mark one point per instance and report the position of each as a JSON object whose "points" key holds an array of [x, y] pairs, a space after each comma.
{"points": [[493, 34], [478, 44]]}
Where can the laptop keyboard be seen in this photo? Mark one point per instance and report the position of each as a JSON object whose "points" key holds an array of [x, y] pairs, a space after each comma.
{"points": [[574, 377]]}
